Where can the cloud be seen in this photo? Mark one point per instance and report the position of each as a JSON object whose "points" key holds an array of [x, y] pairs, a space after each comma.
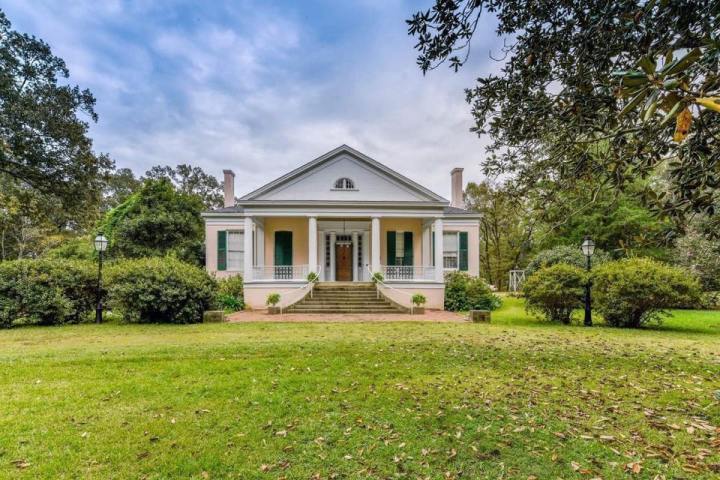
{"points": [[262, 89]]}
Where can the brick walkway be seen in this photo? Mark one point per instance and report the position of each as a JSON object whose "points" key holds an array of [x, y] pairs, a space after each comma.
{"points": [[262, 316]]}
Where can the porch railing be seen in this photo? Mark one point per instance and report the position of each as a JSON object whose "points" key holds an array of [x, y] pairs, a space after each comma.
{"points": [[408, 273], [282, 272]]}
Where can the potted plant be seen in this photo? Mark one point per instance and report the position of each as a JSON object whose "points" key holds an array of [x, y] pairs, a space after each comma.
{"points": [[272, 300], [419, 300], [312, 277], [377, 277]]}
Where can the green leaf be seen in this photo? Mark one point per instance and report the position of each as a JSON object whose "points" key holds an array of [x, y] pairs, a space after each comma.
{"points": [[682, 63], [672, 113], [648, 64], [634, 102]]}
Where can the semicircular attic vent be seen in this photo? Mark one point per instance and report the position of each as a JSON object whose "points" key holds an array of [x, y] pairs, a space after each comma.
{"points": [[344, 183]]}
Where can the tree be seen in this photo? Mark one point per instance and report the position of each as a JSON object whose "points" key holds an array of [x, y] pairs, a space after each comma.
{"points": [[118, 186], [505, 230], [640, 75], [155, 221], [43, 141], [192, 181]]}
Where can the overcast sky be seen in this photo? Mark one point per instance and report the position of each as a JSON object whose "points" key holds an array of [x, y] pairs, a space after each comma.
{"points": [[262, 87]]}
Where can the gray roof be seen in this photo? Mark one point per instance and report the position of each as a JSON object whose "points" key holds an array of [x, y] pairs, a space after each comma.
{"points": [[233, 209], [458, 211]]}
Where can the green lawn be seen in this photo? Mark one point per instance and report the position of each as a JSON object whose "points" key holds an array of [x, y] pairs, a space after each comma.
{"points": [[515, 399]]}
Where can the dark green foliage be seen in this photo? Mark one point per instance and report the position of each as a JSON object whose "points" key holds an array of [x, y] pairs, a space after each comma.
{"points": [[230, 293], [44, 140], [191, 181], [46, 291], [159, 290], [155, 221], [578, 73], [571, 255], [636, 291], [272, 299], [555, 291], [463, 292]]}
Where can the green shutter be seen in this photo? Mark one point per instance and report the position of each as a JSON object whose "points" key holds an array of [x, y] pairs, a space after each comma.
{"points": [[222, 250], [408, 254], [432, 252], [283, 248], [390, 248], [463, 252]]}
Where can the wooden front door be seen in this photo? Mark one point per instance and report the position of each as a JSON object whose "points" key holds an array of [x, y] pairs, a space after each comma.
{"points": [[343, 262]]}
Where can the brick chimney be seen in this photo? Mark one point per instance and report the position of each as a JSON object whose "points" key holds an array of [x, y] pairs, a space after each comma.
{"points": [[456, 188], [229, 188]]}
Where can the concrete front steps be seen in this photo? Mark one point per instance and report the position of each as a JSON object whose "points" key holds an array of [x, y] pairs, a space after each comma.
{"points": [[345, 297]]}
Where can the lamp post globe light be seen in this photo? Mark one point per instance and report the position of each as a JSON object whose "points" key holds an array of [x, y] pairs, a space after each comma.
{"points": [[588, 248], [100, 243]]}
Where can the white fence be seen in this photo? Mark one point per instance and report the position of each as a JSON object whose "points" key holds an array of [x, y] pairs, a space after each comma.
{"points": [[408, 273], [282, 272]]}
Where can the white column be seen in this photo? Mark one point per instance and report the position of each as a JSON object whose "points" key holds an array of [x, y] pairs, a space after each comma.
{"points": [[355, 256], [321, 256], [426, 245], [248, 247], [439, 250], [331, 273], [312, 244], [375, 247], [366, 246], [260, 241]]}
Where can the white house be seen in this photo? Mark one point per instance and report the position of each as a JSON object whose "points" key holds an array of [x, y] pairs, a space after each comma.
{"points": [[342, 216]]}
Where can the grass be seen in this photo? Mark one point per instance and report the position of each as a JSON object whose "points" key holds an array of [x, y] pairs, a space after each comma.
{"points": [[514, 399]]}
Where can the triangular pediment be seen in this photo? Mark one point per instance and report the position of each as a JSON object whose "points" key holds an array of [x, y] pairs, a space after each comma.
{"points": [[316, 181]]}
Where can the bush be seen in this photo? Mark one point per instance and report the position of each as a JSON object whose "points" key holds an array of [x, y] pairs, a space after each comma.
{"points": [[377, 277], [46, 291], [463, 292], [79, 248], [160, 290], [418, 299], [230, 293], [272, 299], [636, 291], [571, 255], [555, 291]]}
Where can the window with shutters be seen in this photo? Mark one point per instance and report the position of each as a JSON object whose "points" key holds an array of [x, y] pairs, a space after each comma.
{"points": [[455, 251], [450, 250], [235, 250]]}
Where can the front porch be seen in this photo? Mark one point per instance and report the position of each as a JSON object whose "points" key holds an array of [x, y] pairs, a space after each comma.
{"points": [[287, 249]]}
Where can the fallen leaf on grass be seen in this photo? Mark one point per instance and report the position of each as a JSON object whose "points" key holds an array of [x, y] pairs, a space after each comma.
{"points": [[21, 464], [633, 467]]}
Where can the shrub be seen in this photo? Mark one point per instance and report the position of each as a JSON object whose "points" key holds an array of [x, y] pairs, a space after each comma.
{"points": [[272, 299], [633, 292], [463, 292], [312, 277], [46, 291], [572, 255], [79, 248], [160, 290], [230, 293], [418, 299], [555, 291], [377, 277], [480, 296]]}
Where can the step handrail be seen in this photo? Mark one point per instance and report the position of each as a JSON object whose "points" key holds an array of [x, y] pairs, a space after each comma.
{"points": [[378, 283], [308, 283]]}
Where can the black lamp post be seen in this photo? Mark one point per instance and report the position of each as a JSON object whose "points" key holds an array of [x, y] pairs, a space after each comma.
{"points": [[100, 243], [588, 248]]}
